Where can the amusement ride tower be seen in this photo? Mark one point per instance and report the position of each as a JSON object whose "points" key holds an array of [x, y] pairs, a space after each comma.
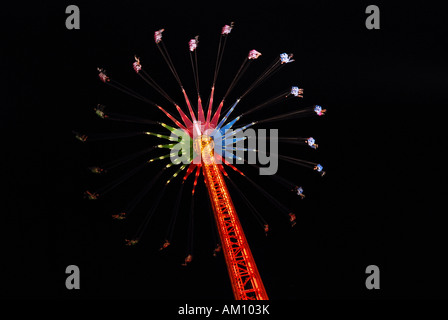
{"points": [[244, 276], [201, 133]]}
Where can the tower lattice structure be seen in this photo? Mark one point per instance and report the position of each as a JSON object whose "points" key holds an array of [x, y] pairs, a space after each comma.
{"points": [[244, 276]]}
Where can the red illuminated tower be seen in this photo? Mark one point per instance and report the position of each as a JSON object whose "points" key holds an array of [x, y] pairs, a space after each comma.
{"points": [[245, 279]]}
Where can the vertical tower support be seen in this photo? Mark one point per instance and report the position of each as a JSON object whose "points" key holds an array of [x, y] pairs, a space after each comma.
{"points": [[245, 279]]}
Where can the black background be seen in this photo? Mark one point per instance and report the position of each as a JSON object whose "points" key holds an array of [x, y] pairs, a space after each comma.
{"points": [[381, 143]]}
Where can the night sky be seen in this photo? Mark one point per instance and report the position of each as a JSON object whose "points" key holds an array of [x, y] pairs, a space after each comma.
{"points": [[380, 142]]}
